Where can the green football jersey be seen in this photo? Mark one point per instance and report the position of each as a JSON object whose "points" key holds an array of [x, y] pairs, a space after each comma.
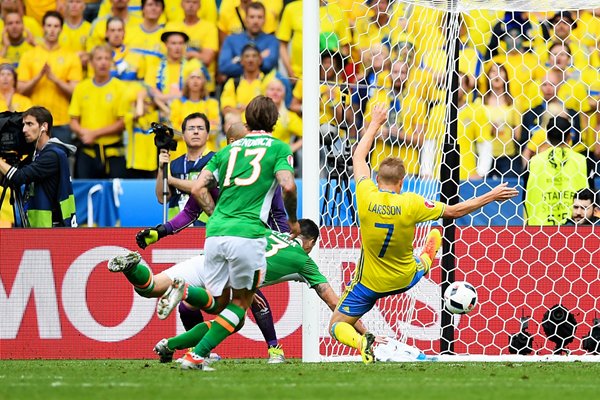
{"points": [[287, 261], [245, 170]]}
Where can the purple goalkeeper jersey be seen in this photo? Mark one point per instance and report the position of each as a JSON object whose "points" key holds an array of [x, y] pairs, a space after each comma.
{"points": [[277, 216]]}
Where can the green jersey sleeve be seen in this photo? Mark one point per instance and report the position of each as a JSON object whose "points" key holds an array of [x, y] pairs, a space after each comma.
{"points": [[285, 158], [310, 272]]}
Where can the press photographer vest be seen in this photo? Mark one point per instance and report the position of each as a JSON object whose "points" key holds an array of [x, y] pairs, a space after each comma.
{"points": [[189, 170], [41, 206], [555, 175]]}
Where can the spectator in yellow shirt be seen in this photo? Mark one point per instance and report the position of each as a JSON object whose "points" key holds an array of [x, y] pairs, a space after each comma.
{"points": [[238, 92], [561, 25], [118, 8], [404, 134], [289, 34], [14, 40], [335, 106], [38, 8], [32, 26], [10, 100], [499, 117], [97, 113], [127, 65], [203, 44], [195, 99], [378, 26], [75, 31], [232, 15], [146, 37], [166, 79], [207, 10], [289, 124], [572, 92], [48, 75], [141, 152]]}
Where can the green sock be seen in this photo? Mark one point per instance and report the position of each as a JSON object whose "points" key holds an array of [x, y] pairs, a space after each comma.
{"points": [[223, 326], [345, 333], [190, 338], [200, 298], [141, 278]]}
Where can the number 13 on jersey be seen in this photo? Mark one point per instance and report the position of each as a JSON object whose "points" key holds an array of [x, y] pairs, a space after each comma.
{"points": [[257, 155]]}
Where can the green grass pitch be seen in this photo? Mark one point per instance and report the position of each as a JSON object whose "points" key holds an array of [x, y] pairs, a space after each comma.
{"points": [[254, 379]]}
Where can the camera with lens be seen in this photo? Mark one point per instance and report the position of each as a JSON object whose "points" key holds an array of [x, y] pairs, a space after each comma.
{"points": [[13, 146], [164, 136], [338, 151], [522, 342]]}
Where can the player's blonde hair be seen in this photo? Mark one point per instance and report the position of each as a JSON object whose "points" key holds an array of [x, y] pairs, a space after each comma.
{"points": [[391, 170]]}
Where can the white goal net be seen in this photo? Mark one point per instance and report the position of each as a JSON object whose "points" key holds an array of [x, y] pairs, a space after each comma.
{"points": [[492, 77]]}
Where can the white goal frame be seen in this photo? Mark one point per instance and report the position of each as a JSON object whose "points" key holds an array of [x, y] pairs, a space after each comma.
{"points": [[311, 329]]}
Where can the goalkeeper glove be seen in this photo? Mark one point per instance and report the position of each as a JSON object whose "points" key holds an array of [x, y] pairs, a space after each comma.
{"points": [[146, 237]]}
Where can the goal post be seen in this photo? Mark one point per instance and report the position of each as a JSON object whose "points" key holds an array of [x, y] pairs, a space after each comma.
{"points": [[471, 86]]}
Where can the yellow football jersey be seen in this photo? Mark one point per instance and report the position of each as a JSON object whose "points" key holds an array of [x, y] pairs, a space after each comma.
{"points": [[18, 102], [65, 65], [203, 35], [387, 229], [98, 106], [14, 53], [207, 12], [290, 30], [147, 43], [74, 38], [409, 114], [231, 16]]}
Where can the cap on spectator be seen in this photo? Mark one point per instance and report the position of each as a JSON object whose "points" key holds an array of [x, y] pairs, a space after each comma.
{"points": [[565, 15], [328, 41], [173, 29], [250, 46]]}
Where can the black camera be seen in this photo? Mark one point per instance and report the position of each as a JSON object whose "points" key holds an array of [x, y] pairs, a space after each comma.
{"points": [[522, 342], [559, 326], [164, 136], [13, 146], [591, 342]]}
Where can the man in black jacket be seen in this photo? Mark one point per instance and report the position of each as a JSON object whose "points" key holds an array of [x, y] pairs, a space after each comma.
{"points": [[49, 199]]}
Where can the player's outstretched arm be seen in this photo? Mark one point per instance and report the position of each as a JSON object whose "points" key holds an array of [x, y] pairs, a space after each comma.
{"points": [[286, 180], [183, 219], [359, 158], [499, 193], [200, 191]]}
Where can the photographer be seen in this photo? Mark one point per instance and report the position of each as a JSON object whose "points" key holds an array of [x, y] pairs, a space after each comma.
{"points": [[49, 197], [184, 169]]}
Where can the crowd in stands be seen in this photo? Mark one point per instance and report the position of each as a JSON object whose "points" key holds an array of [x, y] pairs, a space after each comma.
{"points": [[108, 69]]}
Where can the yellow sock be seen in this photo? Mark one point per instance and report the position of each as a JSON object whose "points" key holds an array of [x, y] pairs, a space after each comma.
{"points": [[345, 333]]}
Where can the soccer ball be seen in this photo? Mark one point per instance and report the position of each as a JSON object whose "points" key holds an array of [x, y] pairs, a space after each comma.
{"points": [[460, 297]]}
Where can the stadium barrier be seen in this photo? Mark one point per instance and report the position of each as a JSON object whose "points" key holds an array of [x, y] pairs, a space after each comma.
{"points": [[58, 299], [117, 203]]}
